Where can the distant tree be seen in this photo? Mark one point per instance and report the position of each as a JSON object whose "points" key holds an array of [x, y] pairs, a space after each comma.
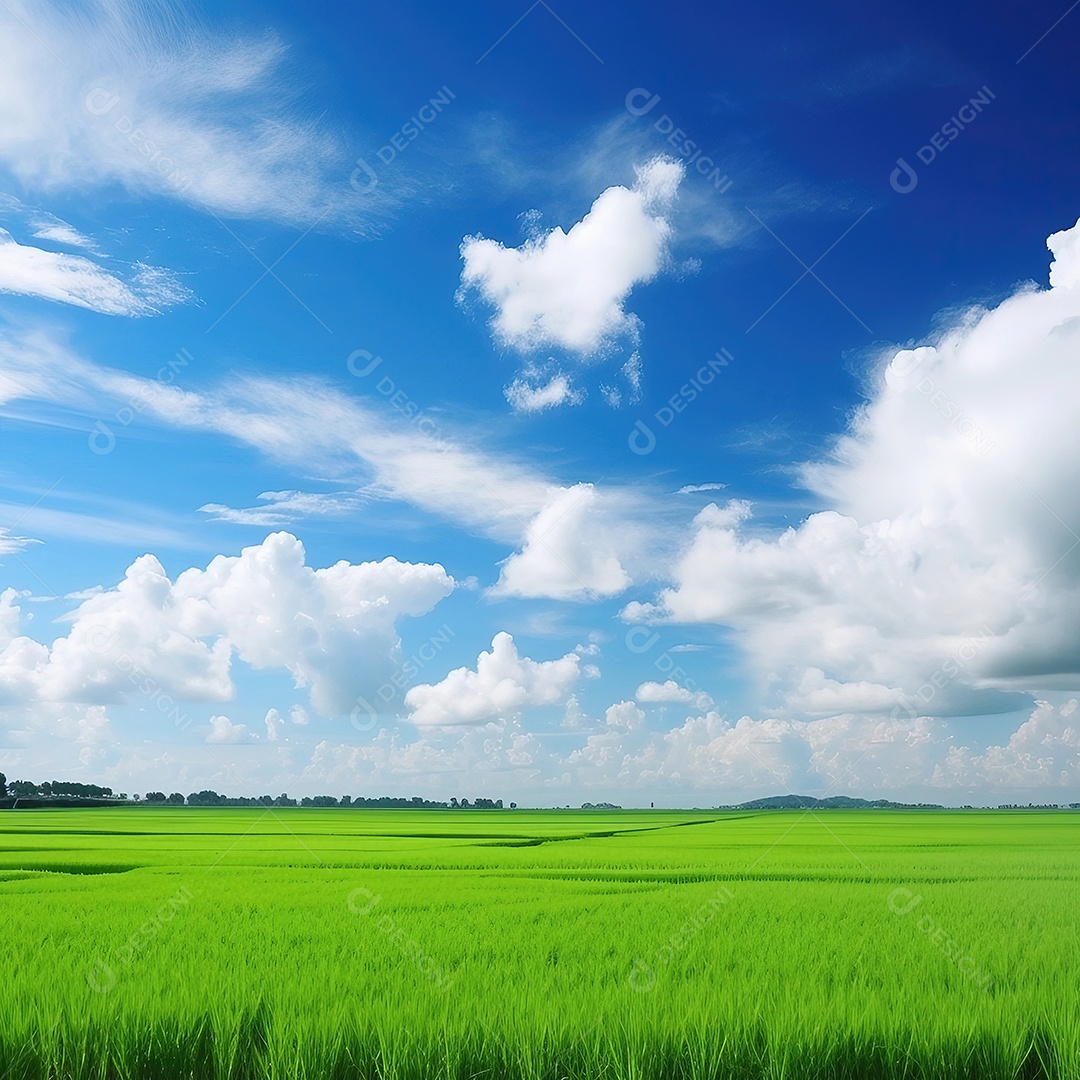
{"points": [[284, 800], [453, 803], [23, 788], [346, 800], [513, 806], [176, 799], [206, 797], [266, 800], [498, 804], [155, 796], [464, 804], [3, 785]]}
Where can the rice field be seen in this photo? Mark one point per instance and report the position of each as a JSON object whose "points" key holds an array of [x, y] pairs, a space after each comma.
{"points": [[182, 942]]}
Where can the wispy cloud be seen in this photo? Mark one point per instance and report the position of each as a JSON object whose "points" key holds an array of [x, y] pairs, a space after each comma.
{"points": [[10, 544], [76, 280], [576, 541], [283, 507], [115, 92]]}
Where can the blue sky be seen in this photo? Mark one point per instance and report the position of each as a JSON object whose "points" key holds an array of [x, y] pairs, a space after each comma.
{"points": [[554, 403]]}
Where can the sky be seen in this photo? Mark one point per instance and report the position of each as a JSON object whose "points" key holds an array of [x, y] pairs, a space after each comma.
{"points": [[556, 403]]}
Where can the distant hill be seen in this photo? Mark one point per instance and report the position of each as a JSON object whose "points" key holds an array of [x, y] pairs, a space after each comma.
{"points": [[833, 802]]}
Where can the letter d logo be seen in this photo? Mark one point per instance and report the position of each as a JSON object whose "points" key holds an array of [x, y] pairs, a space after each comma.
{"points": [[903, 178], [641, 440], [903, 901], [642, 978]]}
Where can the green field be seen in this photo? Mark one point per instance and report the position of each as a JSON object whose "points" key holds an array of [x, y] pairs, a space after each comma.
{"points": [[168, 943]]}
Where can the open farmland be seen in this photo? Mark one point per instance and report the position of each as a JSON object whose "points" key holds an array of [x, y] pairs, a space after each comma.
{"points": [[334, 943]]}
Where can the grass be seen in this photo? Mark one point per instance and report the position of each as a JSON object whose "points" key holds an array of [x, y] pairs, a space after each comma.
{"points": [[170, 943]]}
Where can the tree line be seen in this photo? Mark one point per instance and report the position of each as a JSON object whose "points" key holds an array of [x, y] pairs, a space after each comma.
{"points": [[385, 802], [50, 789], [27, 788]]}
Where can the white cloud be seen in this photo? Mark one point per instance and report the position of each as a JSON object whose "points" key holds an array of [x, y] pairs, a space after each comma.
{"points": [[670, 692], [284, 507], [10, 616], [494, 760], [568, 289], [529, 392], [76, 280], [703, 761], [48, 227], [582, 541], [693, 489], [572, 549], [107, 92], [45, 226], [502, 685], [1043, 753], [223, 730], [911, 759], [624, 716], [332, 629], [10, 545], [304, 424], [274, 723], [947, 576]]}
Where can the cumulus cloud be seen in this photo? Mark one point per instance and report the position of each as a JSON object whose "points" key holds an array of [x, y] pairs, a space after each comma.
{"points": [[502, 685], [569, 289], [670, 692], [77, 280], [573, 549], [946, 577], [150, 638], [274, 722], [223, 730], [107, 93], [917, 759], [1044, 752]]}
